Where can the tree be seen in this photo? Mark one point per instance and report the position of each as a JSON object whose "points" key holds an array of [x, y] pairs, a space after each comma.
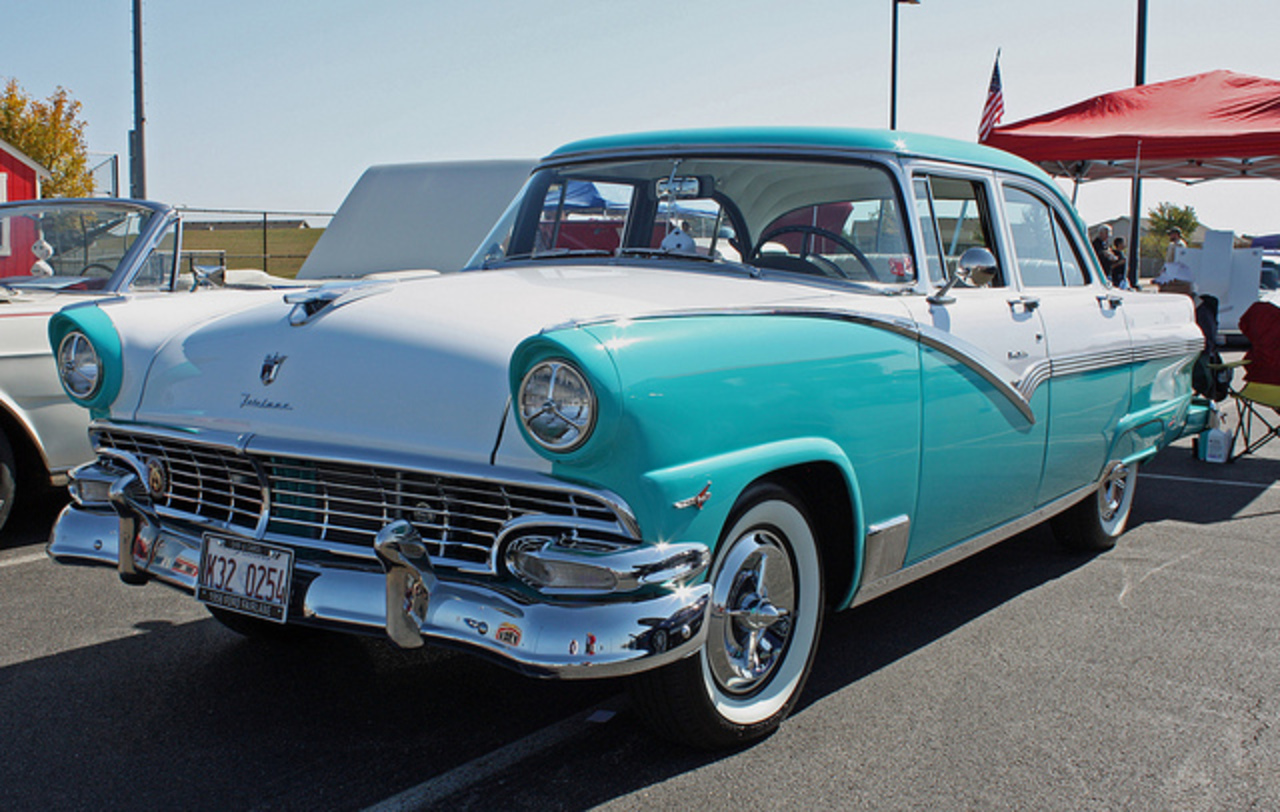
{"points": [[1164, 217], [50, 134]]}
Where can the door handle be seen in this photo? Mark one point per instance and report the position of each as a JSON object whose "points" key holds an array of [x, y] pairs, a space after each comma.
{"points": [[1110, 299], [1027, 303]]}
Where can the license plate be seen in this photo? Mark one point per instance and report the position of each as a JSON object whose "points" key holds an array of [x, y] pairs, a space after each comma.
{"points": [[245, 576]]}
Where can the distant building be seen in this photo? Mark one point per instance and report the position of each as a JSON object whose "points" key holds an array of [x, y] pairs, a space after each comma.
{"points": [[20, 176], [19, 180]]}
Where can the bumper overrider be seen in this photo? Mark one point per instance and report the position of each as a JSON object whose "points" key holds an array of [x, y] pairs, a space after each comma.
{"points": [[639, 608]]}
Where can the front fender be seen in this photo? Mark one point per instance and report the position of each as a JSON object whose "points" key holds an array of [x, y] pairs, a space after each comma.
{"points": [[674, 508]]}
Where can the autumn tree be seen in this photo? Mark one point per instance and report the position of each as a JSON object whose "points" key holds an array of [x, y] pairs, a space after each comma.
{"points": [[49, 133], [1162, 218]]}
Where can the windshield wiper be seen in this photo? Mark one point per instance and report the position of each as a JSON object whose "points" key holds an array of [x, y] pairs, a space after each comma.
{"points": [[658, 252], [557, 253]]}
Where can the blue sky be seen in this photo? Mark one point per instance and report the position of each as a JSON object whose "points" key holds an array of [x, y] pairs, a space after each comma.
{"points": [[280, 104]]}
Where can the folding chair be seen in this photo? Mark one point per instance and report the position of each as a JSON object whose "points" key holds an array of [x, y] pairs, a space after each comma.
{"points": [[1258, 401]]}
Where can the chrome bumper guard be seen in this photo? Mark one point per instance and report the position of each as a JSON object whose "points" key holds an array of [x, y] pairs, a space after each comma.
{"points": [[557, 638]]}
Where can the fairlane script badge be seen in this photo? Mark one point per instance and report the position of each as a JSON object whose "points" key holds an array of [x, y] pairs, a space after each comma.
{"points": [[271, 367]]}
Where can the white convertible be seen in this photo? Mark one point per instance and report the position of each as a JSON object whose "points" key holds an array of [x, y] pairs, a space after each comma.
{"points": [[398, 219]]}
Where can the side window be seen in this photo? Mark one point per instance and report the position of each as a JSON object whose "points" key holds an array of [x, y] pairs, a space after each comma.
{"points": [[1046, 257], [929, 228], [961, 219], [1072, 267]]}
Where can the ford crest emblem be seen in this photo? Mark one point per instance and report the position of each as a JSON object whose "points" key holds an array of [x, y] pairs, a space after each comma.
{"points": [[271, 367], [157, 477]]}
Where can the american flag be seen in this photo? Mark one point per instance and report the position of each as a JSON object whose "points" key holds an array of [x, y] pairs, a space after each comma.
{"points": [[993, 110]]}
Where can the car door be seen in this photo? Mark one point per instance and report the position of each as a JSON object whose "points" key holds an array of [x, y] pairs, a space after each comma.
{"points": [[982, 440], [1087, 337]]}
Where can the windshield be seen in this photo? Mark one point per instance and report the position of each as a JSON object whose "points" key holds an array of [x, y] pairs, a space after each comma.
{"points": [[839, 220], [58, 245]]}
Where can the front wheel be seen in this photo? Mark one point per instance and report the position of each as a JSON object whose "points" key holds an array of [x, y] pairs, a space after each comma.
{"points": [[762, 631], [1097, 522], [8, 479]]}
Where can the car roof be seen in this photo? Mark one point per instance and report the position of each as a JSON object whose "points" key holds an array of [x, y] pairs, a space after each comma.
{"points": [[826, 139]]}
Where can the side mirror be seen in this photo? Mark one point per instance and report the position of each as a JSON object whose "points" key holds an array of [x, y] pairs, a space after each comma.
{"points": [[977, 268]]}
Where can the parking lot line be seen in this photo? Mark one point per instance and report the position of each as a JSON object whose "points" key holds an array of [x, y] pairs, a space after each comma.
{"points": [[479, 769], [1235, 483], [30, 558]]}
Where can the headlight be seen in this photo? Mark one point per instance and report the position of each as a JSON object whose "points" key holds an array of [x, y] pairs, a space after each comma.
{"points": [[78, 365], [557, 405]]}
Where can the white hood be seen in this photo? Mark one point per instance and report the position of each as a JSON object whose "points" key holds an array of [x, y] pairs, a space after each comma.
{"points": [[418, 366]]}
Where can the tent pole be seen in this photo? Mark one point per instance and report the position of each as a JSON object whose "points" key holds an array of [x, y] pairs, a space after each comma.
{"points": [[1135, 222]]}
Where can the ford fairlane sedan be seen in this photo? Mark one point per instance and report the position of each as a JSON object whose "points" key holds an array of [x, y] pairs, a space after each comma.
{"points": [[694, 391]]}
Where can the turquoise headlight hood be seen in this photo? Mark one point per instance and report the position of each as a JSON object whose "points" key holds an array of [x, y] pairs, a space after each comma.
{"points": [[101, 332]]}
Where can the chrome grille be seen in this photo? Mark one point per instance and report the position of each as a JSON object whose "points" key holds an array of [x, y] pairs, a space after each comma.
{"points": [[205, 482], [458, 517]]}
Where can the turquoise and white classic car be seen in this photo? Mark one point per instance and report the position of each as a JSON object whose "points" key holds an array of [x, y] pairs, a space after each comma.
{"points": [[694, 391]]}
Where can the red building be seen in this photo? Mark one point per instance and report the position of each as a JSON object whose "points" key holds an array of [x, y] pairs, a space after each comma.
{"points": [[19, 175], [19, 180]]}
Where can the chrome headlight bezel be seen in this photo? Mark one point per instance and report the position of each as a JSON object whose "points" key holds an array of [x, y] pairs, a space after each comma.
{"points": [[557, 405], [79, 366]]}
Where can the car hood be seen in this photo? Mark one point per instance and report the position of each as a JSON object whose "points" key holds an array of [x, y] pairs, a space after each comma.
{"points": [[417, 366]]}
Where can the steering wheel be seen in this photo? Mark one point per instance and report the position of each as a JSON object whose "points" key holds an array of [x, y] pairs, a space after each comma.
{"points": [[817, 231], [97, 269]]}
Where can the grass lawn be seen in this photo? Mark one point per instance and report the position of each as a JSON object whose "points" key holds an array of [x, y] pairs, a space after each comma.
{"points": [[286, 248]]}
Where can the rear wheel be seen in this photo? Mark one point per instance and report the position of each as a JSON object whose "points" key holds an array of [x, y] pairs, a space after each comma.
{"points": [[762, 631], [1097, 522], [8, 480]]}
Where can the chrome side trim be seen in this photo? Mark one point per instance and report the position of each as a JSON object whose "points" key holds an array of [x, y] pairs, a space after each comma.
{"points": [[1167, 349], [886, 548], [1018, 391], [870, 591]]}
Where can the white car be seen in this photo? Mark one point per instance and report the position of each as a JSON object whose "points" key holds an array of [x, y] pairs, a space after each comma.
{"points": [[57, 252], [53, 253]]}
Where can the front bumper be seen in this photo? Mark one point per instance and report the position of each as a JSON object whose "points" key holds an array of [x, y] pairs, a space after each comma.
{"points": [[559, 638]]}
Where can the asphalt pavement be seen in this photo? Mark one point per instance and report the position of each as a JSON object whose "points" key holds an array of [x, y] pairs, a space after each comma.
{"points": [[1026, 677]]}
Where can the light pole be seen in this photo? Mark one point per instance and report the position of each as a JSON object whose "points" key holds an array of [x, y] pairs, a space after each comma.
{"points": [[137, 137], [893, 71]]}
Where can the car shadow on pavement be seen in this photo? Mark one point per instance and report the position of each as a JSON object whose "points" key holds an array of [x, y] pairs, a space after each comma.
{"points": [[622, 758], [192, 716], [31, 518], [1176, 486]]}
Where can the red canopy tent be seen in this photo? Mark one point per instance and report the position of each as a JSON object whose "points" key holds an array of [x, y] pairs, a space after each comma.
{"points": [[1213, 125]]}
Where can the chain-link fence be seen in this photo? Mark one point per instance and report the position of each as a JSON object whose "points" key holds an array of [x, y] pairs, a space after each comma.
{"points": [[276, 242]]}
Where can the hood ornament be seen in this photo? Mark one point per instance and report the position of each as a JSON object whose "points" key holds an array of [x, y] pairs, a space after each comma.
{"points": [[271, 367]]}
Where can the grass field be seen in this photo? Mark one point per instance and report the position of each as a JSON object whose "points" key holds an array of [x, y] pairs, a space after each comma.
{"points": [[286, 248]]}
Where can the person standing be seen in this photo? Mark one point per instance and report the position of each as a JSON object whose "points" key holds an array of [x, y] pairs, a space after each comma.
{"points": [[1102, 248], [1175, 242], [1120, 264]]}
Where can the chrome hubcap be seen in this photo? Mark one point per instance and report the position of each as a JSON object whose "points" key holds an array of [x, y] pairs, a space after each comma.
{"points": [[752, 613], [1111, 494]]}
